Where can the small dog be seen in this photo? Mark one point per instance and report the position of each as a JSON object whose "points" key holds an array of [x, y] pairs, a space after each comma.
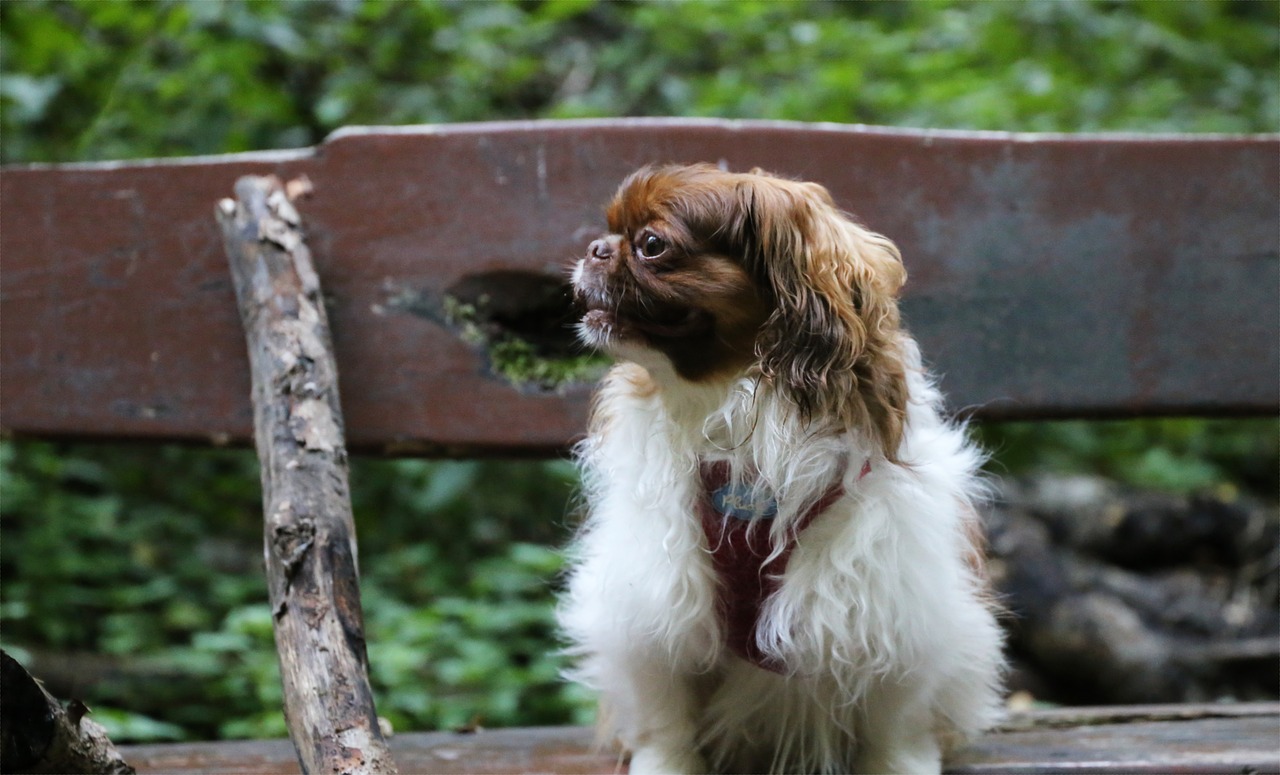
{"points": [[781, 568]]}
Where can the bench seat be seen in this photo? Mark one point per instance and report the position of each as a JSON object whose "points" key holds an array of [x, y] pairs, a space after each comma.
{"points": [[1234, 738]]}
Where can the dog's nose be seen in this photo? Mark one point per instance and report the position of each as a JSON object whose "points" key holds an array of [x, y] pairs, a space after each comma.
{"points": [[602, 249]]}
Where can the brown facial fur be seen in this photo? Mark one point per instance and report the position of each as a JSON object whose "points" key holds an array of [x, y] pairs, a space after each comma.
{"points": [[696, 303], [759, 274]]}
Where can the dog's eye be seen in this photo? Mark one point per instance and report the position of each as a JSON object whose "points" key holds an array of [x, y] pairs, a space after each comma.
{"points": [[652, 246]]}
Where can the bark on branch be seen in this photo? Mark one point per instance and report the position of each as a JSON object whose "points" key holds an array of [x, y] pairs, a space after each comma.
{"points": [[309, 533], [38, 734]]}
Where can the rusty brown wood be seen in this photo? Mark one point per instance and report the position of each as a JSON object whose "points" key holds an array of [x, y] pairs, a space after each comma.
{"points": [[308, 528], [1201, 739], [1050, 275]]}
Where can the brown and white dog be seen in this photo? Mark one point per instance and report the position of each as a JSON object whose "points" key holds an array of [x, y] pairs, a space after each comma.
{"points": [[779, 570]]}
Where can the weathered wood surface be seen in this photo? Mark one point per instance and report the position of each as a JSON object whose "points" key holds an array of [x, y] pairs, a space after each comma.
{"points": [[1050, 275], [308, 527], [1152, 739]]}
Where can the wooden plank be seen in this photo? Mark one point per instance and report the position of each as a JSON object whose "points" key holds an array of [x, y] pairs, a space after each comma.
{"points": [[1050, 275], [1143, 739], [1155, 739], [565, 750]]}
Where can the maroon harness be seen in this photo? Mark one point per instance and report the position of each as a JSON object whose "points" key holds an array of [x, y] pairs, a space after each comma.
{"points": [[740, 550]]}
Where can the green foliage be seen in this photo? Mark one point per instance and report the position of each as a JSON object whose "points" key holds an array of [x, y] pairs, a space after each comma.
{"points": [[1042, 66], [152, 556], [520, 364], [519, 361], [97, 542], [488, 639], [92, 80], [124, 552], [1172, 454]]}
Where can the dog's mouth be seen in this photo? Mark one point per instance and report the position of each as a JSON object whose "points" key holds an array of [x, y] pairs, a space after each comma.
{"points": [[612, 322]]}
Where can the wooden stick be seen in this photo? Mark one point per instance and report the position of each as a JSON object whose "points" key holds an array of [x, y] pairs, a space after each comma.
{"points": [[309, 533], [40, 735]]}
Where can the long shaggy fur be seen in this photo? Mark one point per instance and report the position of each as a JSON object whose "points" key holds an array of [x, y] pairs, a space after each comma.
{"points": [[882, 622]]}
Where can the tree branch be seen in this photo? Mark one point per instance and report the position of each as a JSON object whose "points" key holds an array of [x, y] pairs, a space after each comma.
{"points": [[38, 735], [309, 533]]}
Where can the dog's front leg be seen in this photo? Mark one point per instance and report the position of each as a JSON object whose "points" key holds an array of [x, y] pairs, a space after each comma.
{"points": [[897, 733], [660, 726]]}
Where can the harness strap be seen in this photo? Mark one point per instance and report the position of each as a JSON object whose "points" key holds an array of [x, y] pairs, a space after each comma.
{"points": [[740, 549]]}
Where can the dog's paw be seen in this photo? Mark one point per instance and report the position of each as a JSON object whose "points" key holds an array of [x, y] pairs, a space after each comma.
{"points": [[658, 760], [920, 759]]}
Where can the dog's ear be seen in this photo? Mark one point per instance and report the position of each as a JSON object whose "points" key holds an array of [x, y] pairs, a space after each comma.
{"points": [[832, 345]]}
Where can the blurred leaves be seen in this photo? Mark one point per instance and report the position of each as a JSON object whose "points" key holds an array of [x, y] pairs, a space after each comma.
{"points": [[126, 551], [150, 557], [1182, 455], [489, 640], [94, 80]]}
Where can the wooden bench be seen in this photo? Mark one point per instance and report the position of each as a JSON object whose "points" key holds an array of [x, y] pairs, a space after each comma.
{"points": [[1051, 276]]}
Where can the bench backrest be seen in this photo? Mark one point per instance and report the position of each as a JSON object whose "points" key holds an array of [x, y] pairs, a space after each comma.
{"points": [[1050, 276]]}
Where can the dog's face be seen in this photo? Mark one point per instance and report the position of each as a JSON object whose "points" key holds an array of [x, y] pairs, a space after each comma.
{"points": [[728, 273], [668, 278]]}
